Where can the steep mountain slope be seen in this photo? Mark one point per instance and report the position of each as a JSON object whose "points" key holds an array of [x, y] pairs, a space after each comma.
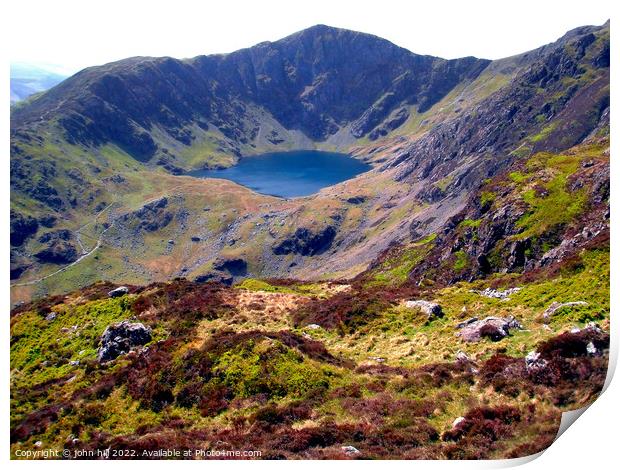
{"points": [[80, 193]]}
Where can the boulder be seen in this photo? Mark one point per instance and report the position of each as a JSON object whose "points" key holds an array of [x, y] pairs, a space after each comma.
{"points": [[431, 309], [494, 328], [119, 292], [457, 421], [533, 362], [350, 450], [119, 338], [466, 322], [592, 326], [592, 349], [462, 357]]}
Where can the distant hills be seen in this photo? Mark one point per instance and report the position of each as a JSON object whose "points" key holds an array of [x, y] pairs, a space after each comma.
{"points": [[27, 79]]}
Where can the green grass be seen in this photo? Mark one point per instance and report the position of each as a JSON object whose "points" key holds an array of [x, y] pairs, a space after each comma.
{"points": [[517, 177], [461, 261], [470, 223], [395, 271], [267, 366], [487, 198], [443, 183], [259, 285], [558, 205], [544, 133], [40, 340]]}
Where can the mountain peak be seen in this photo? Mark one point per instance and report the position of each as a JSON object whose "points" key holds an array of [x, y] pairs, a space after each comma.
{"points": [[323, 31]]}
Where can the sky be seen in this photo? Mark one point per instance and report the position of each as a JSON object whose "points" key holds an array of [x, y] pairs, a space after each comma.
{"points": [[68, 35]]}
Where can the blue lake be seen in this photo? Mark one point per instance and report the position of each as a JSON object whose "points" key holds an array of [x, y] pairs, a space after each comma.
{"points": [[289, 174]]}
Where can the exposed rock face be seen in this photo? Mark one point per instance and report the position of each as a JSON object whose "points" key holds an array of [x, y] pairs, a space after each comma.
{"points": [[495, 241], [494, 328], [58, 252], [502, 119], [356, 200], [234, 266], [220, 277], [307, 243], [393, 122], [431, 309], [321, 83], [19, 264], [119, 338], [150, 217], [225, 271], [48, 237], [499, 294]]}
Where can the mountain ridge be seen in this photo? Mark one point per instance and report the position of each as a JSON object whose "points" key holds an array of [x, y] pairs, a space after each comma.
{"points": [[239, 74]]}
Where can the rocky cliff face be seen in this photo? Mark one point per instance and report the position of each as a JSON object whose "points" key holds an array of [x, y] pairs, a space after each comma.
{"points": [[553, 104]]}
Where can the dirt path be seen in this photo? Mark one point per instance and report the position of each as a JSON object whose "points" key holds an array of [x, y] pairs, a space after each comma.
{"points": [[85, 253]]}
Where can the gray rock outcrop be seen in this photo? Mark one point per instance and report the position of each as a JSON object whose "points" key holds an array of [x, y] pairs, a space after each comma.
{"points": [[120, 338]]}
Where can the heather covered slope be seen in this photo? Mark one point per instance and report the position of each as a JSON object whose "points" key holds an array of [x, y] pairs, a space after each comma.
{"points": [[304, 370]]}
